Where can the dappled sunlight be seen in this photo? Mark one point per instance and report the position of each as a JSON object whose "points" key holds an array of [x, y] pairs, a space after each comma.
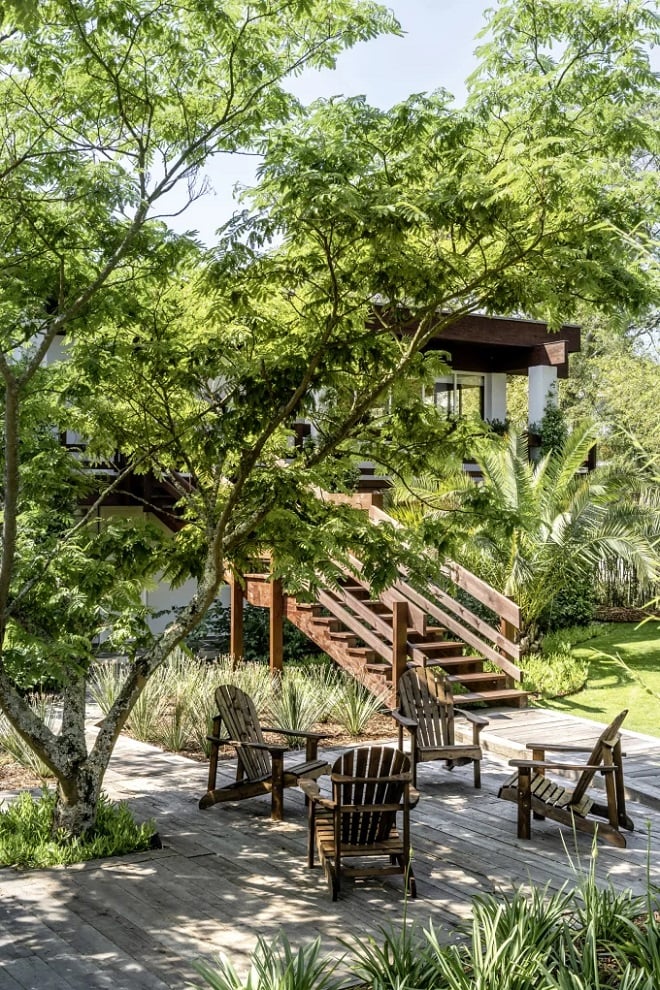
{"points": [[227, 875]]}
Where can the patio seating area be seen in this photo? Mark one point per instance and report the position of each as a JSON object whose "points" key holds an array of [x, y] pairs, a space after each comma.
{"points": [[229, 874]]}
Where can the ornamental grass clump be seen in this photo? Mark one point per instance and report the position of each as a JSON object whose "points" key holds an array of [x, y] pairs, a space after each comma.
{"points": [[275, 966], [26, 838], [355, 706]]}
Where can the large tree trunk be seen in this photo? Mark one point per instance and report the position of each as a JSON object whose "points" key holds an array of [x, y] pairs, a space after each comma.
{"points": [[77, 802]]}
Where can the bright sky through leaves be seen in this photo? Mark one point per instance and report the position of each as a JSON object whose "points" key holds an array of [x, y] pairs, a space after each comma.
{"points": [[436, 51]]}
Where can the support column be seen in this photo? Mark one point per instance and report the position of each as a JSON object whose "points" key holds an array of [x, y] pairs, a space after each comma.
{"points": [[541, 391], [236, 598], [276, 626], [495, 397]]}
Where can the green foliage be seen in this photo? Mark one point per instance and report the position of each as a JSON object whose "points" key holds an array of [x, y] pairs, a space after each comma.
{"points": [[302, 698], [275, 966], [573, 605], [399, 958], [552, 429], [553, 675], [26, 839], [213, 634], [538, 531], [354, 705], [585, 938]]}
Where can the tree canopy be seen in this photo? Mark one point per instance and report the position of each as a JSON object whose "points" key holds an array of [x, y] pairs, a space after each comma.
{"points": [[367, 233]]}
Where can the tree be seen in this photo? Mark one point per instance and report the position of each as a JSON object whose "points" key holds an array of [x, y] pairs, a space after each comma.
{"points": [[611, 382], [368, 232], [537, 531]]}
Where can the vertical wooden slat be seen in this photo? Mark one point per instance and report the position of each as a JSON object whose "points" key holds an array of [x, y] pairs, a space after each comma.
{"points": [[236, 619], [276, 626], [399, 642]]}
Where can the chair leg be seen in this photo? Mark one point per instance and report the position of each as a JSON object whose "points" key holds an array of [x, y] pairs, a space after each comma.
{"points": [[277, 812], [477, 773], [524, 803]]}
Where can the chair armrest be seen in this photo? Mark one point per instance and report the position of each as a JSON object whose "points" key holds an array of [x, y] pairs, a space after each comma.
{"points": [[311, 790], [272, 749], [558, 747], [546, 765], [471, 717], [407, 723], [297, 732]]}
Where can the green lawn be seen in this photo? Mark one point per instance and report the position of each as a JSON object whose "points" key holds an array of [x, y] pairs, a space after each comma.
{"points": [[631, 682]]}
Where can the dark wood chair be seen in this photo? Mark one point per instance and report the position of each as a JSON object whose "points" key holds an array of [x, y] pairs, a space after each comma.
{"points": [[260, 765], [535, 793], [427, 712], [357, 825]]}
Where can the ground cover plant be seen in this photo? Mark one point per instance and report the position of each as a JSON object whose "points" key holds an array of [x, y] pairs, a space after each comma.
{"points": [[582, 938], [27, 838], [623, 672]]}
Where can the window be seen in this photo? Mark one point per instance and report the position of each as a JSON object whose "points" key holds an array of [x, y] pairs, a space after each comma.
{"points": [[460, 395]]}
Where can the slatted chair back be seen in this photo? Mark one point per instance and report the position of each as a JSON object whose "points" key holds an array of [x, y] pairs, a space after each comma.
{"points": [[607, 736], [426, 697], [241, 722], [368, 789]]}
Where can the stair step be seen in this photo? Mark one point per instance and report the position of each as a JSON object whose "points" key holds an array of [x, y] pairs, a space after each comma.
{"points": [[485, 678], [380, 668], [432, 635], [503, 696], [362, 653], [449, 646], [345, 637], [329, 622], [471, 665], [380, 608]]}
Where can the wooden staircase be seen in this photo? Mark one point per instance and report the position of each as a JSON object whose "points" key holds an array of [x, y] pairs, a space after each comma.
{"points": [[377, 637]]}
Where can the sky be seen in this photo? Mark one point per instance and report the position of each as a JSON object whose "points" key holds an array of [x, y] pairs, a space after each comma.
{"points": [[437, 50]]}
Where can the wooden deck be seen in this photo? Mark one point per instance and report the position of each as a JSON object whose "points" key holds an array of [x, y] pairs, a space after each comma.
{"points": [[229, 874]]}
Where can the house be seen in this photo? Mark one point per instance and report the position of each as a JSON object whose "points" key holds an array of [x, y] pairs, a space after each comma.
{"points": [[482, 351]]}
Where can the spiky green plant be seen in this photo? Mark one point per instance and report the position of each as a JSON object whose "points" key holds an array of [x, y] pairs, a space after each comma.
{"points": [[275, 966], [532, 529], [355, 705]]}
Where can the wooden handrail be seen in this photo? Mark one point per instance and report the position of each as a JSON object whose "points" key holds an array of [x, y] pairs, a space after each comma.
{"points": [[460, 576]]}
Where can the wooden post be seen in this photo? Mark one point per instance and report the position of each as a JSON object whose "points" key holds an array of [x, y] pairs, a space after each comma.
{"points": [[510, 632], [399, 643], [276, 626], [236, 619]]}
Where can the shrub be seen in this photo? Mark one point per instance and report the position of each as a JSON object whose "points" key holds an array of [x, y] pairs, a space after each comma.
{"points": [[355, 705], [275, 966], [573, 605], [213, 634], [26, 839], [580, 939], [554, 675]]}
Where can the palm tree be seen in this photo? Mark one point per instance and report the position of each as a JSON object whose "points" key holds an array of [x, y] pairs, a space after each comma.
{"points": [[533, 529]]}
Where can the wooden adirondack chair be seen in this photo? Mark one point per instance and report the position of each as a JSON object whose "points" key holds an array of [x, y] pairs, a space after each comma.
{"points": [[357, 825], [535, 793], [426, 711], [260, 765]]}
